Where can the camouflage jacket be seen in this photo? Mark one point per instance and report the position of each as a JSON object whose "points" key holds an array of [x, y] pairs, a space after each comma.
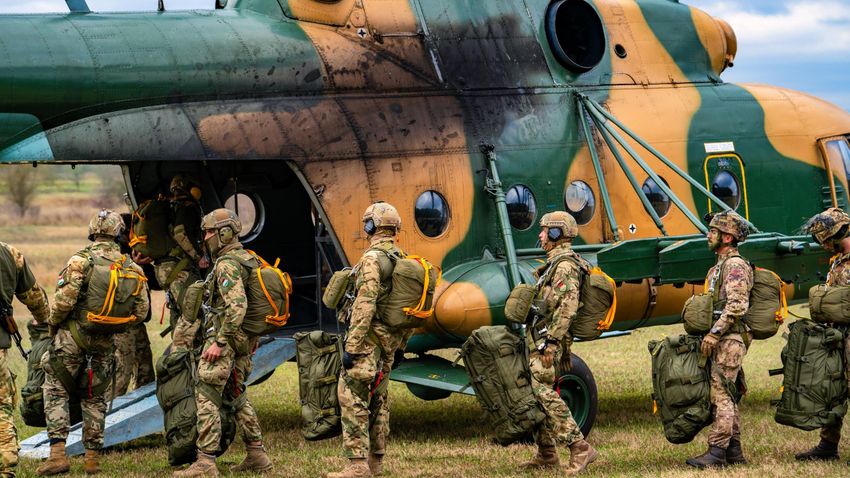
{"points": [[16, 279], [74, 277], [186, 226], [368, 286], [735, 281], [560, 290], [228, 291], [839, 270]]}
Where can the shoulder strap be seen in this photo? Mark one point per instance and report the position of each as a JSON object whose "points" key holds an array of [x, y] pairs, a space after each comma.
{"points": [[547, 275]]}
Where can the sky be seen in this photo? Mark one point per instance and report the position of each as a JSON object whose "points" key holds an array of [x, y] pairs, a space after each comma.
{"points": [[802, 45]]}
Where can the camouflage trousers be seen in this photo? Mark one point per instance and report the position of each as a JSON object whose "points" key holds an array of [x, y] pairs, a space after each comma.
{"points": [[213, 377], [177, 287], [833, 434], [133, 358], [93, 405], [364, 403], [726, 361], [559, 427], [8, 433]]}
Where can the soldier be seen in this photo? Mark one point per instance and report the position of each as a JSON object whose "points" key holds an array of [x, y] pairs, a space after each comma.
{"points": [[559, 299], [370, 348], [85, 359], [179, 268], [16, 280], [830, 229], [228, 352], [728, 339]]}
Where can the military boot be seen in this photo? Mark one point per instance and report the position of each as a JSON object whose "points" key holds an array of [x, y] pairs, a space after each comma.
{"points": [[57, 463], [203, 466], [824, 451], [547, 457], [357, 468], [375, 464], [581, 455], [90, 465], [735, 454], [256, 460], [714, 457]]}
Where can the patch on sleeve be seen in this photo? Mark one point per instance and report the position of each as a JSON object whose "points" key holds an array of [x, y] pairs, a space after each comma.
{"points": [[225, 284], [560, 286], [63, 279]]}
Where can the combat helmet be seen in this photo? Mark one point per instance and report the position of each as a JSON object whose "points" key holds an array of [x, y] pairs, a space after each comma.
{"points": [[731, 223], [830, 224], [105, 223], [227, 223], [560, 221], [185, 185], [381, 214]]}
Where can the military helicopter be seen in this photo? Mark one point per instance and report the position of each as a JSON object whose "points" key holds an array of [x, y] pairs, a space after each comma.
{"points": [[473, 118]]}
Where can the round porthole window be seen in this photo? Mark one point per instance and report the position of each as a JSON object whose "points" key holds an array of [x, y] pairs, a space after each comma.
{"points": [[659, 200], [580, 201], [575, 34], [725, 186], [431, 213], [249, 208], [522, 207]]}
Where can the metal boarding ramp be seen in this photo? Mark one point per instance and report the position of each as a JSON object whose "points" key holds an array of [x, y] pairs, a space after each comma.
{"points": [[138, 414]]}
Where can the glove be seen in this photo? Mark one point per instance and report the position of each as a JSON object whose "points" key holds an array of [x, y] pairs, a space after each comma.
{"points": [[709, 343], [547, 358]]}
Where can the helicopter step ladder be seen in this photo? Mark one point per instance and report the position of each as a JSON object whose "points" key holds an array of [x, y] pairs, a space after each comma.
{"points": [[137, 414]]}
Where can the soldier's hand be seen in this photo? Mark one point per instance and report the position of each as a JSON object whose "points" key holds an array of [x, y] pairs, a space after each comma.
{"points": [[709, 343], [547, 358], [212, 353], [203, 262], [141, 259]]}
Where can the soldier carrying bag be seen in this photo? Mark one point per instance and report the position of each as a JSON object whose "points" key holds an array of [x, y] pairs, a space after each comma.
{"points": [[109, 298], [497, 363], [32, 396], [319, 358], [814, 387]]}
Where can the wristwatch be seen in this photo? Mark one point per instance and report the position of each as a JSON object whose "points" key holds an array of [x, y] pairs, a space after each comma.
{"points": [[715, 330], [220, 344]]}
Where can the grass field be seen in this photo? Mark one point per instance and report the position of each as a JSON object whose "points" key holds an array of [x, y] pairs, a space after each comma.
{"points": [[447, 437]]}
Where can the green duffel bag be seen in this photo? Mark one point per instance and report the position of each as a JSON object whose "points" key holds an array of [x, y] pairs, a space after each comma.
{"points": [[830, 304], [319, 358], [698, 314], [518, 304], [496, 361], [176, 380], [32, 396], [814, 387], [337, 287], [681, 386]]}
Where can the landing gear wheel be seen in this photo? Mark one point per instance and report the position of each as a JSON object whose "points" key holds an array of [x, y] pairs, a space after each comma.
{"points": [[578, 389]]}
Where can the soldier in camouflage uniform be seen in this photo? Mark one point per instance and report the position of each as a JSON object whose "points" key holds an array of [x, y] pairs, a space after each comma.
{"points": [[548, 341], [370, 348], [227, 356], [831, 230], [728, 339], [79, 351], [16, 280], [176, 271]]}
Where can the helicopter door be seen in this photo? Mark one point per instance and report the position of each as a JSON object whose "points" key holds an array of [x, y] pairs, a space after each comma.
{"points": [[726, 178], [835, 152]]}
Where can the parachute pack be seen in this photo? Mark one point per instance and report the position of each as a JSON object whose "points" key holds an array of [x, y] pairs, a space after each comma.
{"points": [[597, 299], [319, 358], [830, 304], [110, 297], [768, 305], [268, 290], [410, 299], [681, 386], [150, 233], [32, 396], [814, 386], [497, 363], [176, 380]]}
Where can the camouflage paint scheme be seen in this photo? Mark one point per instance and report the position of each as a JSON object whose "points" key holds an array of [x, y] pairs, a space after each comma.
{"points": [[392, 97]]}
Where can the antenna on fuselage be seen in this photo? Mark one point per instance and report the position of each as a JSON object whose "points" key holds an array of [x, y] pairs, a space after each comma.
{"points": [[160, 7], [78, 6]]}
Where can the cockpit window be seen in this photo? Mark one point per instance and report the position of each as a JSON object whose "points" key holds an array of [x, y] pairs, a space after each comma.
{"points": [[838, 148]]}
